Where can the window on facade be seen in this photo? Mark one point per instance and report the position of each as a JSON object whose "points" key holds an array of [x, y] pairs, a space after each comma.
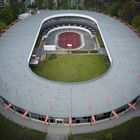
{"points": [[19, 110], [52, 120], [41, 118]]}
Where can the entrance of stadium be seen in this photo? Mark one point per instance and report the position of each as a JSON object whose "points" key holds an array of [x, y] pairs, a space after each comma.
{"points": [[59, 121]]}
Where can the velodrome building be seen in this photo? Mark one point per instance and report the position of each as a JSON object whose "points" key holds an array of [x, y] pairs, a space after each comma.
{"points": [[39, 103]]}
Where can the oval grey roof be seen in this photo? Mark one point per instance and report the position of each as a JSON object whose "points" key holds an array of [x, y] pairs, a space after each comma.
{"points": [[26, 90]]}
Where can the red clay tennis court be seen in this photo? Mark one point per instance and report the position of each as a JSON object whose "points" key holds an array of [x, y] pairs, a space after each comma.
{"points": [[69, 40]]}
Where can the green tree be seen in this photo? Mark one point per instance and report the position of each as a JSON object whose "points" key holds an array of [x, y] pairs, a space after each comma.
{"points": [[128, 11], [2, 25], [50, 4], [90, 4], [40, 4], [114, 9], [98, 5], [7, 14], [136, 22], [17, 8]]}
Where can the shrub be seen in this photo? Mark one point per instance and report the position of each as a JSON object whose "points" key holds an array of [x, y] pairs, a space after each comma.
{"points": [[7, 15], [79, 51], [2, 25], [136, 21], [115, 7], [128, 11], [52, 56], [93, 51]]}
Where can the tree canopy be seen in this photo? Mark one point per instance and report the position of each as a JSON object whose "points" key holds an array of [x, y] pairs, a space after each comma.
{"points": [[128, 11], [7, 15], [124, 9]]}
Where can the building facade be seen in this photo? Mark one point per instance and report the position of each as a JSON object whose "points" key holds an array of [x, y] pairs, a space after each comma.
{"points": [[3, 2]]}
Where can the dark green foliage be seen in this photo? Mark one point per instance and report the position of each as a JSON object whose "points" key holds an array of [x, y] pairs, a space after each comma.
{"points": [[2, 25], [128, 11], [115, 7], [52, 56], [11, 12], [124, 9], [17, 9], [79, 51], [7, 14], [50, 4], [40, 4], [12, 131], [93, 51], [136, 22]]}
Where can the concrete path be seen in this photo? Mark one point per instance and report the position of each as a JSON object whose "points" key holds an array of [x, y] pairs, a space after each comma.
{"points": [[57, 132], [56, 137]]}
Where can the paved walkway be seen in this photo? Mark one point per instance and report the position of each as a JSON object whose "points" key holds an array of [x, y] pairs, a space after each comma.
{"points": [[57, 132], [56, 137], [61, 132]]}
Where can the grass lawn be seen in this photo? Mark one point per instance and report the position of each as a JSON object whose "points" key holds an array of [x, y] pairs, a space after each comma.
{"points": [[127, 131], [73, 68], [12, 131]]}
